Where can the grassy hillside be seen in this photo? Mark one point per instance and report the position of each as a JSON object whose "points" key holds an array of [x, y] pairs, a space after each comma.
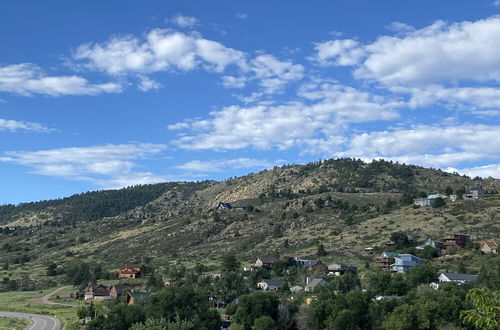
{"points": [[344, 204]]}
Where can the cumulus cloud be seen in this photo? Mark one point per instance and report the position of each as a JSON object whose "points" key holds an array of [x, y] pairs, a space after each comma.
{"points": [[16, 126], [275, 74], [343, 52], [288, 125], [105, 165], [27, 79], [162, 50], [437, 53], [431, 146], [234, 82], [221, 165], [184, 21]]}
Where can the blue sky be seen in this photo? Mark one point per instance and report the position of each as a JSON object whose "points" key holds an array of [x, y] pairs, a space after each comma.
{"points": [[106, 94]]}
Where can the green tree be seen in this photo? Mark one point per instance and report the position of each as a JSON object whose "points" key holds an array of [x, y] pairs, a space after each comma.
{"points": [[264, 323], [255, 305], [448, 190], [400, 238], [420, 274], [230, 263], [486, 311], [321, 250], [162, 324]]}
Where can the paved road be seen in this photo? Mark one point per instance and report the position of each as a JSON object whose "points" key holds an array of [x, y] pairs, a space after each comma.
{"points": [[40, 322]]}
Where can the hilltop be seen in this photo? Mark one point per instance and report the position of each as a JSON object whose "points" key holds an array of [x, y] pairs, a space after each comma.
{"points": [[344, 204]]}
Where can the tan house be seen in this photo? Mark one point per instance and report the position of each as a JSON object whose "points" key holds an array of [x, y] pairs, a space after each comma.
{"points": [[490, 246], [130, 271]]}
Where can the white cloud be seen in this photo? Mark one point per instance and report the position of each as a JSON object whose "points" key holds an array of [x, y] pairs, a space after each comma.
{"points": [[103, 165], [241, 15], [275, 74], [15, 126], [400, 27], [288, 125], [184, 21], [146, 84], [27, 79], [492, 170], [466, 51], [162, 50], [470, 97], [221, 165], [431, 146], [234, 82], [343, 52], [178, 126]]}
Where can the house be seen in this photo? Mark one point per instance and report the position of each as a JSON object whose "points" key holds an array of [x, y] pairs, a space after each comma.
{"points": [[137, 297], [130, 271], [212, 276], [115, 291], [456, 278], [339, 269], [424, 201], [224, 206], [404, 262], [490, 246], [270, 285], [315, 282], [455, 241], [434, 244], [264, 261], [313, 265], [96, 292], [474, 193], [386, 258]]}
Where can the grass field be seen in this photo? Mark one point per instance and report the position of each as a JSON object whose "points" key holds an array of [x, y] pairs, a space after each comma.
{"points": [[16, 302], [13, 323]]}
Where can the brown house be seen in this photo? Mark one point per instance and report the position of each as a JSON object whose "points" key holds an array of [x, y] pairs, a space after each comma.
{"points": [[490, 246], [313, 265], [386, 259], [116, 290], [130, 271], [96, 292], [455, 241], [264, 261]]}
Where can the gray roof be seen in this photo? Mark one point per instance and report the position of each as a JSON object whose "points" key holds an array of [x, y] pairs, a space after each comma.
{"points": [[271, 282], [267, 260], [315, 282], [459, 277]]}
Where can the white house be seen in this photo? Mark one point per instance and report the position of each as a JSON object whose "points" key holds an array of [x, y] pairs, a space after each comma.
{"points": [[270, 285], [456, 278]]}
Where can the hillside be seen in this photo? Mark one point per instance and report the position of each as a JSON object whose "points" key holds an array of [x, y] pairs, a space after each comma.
{"points": [[344, 204]]}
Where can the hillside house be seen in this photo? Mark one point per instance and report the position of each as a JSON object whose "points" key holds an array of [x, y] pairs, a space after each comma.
{"points": [[339, 269], [264, 261], [475, 193], [224, 206], [434, 244], [96, 292], [115, 291], [270, 285], [455, 241], [434, 196], [456, 278], [490, 246], [130, 271], [404, 262], [424, 201], [314, 283], [386, 259], [313, 265], [137, 297]]}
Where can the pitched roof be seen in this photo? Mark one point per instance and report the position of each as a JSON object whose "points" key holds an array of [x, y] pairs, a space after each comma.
{"points": [[459, 277], [266, 259], [315, 282], [492, 243], [309, 262], [139, 296], [271, 282], [391, 254]]}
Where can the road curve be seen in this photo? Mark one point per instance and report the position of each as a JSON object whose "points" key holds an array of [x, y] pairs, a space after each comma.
{"points": [[39, 322]]}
